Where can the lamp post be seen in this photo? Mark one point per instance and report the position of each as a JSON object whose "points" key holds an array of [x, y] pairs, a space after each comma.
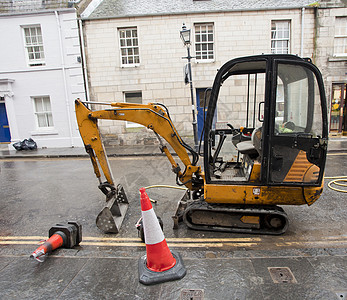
{"points": [[185, 36]]}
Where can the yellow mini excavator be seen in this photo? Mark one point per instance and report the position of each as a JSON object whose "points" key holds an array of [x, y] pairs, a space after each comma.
{"points": [[264, 144]]}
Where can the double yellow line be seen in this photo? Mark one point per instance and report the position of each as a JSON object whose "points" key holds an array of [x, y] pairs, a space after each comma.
{"points": [[136, 242], [242, 242]]}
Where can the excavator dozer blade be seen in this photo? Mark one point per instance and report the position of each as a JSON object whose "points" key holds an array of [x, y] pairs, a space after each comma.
{"points": [[110, 219]]}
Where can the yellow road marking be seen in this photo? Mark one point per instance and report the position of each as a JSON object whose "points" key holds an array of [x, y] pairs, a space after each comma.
{"points": [[137, 239], [19, 243], [124, 239], [335, 154], [4, 238], [284, 244], [182, 242], [176, 240]]}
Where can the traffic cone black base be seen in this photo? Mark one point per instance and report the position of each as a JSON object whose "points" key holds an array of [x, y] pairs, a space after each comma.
{"points": [[148, 277]]}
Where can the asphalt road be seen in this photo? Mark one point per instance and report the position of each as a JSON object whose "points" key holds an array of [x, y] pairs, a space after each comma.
{"points": [[38, 193]]}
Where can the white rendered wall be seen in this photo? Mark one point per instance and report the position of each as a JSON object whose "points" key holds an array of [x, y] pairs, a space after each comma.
{"points": [[60, 78]]}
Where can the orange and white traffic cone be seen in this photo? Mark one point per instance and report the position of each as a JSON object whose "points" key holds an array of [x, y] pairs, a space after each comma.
{"points": [[160, 264], [54, 242], [66, 236]]}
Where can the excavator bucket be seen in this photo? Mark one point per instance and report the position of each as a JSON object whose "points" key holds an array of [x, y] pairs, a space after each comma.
{"points": [[110, 219], [112, 215]]}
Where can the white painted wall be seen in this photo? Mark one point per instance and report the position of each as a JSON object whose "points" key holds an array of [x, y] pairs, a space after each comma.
{"points": [[60, 78]]}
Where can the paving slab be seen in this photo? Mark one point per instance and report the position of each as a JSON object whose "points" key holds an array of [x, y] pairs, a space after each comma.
{"points": [[316, 278], [5, 261], [330, 273], [25, 278], [219, 278], [106, 278]]}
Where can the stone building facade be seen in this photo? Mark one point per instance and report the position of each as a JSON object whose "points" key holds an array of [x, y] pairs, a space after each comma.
{"points": [[158, 73], [331, 58]]}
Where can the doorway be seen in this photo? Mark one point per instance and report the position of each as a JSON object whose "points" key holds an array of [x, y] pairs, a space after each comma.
{"points": [[5, 135], [338, 114]]}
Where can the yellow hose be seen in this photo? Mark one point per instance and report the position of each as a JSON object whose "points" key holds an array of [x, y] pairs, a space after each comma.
{"points": [[337, 181], [163, 186]]}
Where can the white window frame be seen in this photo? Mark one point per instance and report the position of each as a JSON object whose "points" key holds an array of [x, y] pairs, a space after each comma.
{"points": [[129, 45], [45, 113], [32, 44], [275, 40], [199, 41], [127, 123], [340, 36]]}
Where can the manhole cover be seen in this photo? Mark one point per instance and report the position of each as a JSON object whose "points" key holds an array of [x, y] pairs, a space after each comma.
{"points": [[188, 294], [282, 275]]}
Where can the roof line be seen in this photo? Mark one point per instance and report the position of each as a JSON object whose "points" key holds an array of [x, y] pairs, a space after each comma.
{"points": [[194, 12], [38, 12], [90, 8]]}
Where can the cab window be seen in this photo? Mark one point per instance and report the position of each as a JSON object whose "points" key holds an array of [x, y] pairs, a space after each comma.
{"points": [[297, 102]]}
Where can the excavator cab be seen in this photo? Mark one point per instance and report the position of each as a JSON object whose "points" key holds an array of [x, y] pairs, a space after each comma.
{"points": [[274, 109], [269, 148]]}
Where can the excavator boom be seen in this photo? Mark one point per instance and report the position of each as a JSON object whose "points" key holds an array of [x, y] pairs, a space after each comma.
{"points": [[152, 116]]}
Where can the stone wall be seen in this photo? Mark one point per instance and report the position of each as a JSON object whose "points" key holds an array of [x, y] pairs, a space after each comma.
{"points": [[160, 73], [332, 67]]}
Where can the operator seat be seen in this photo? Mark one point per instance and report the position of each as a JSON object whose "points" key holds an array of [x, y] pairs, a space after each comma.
{"points": [[252, 147]]}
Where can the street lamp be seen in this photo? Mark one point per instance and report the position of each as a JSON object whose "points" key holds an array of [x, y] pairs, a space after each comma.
{"points": [[185, 36]]}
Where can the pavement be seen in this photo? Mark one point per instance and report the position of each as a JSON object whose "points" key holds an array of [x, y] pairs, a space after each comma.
{"points": [[308, 262], [335, 145]]}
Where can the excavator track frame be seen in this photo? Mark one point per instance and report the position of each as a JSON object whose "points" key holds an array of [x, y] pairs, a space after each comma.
{"points": [[251, 219]]}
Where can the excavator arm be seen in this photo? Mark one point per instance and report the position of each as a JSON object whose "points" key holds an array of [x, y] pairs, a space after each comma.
{"points": [[153, 116]]}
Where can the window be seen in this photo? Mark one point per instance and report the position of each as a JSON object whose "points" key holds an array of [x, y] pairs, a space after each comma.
{"points": [[129, 46], [338, 113], [298, 109], [43, 112], [204, 49], [34, 45], [133, 97], [280, 37], [340, 40]]}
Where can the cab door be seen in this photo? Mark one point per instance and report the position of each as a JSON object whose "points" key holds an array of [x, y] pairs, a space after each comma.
{"points": [[297, 125]]}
